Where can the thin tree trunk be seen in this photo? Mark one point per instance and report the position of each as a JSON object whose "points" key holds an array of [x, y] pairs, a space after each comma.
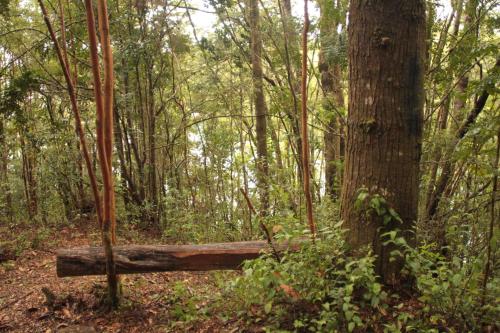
{"points": [[493, 220], [260, 109], [5, 195], [29, 180], [76, 112], [292, 64], [333, 99], [104, 106], [80, 183], [153, 192], [447, 169], [444, 109], [305, 139]]}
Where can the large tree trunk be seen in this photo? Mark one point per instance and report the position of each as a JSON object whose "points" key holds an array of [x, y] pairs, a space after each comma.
{"points": [[387, 63], [260, 109]]}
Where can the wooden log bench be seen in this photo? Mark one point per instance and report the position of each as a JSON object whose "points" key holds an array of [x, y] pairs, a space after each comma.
{"points": [[132, 259]]}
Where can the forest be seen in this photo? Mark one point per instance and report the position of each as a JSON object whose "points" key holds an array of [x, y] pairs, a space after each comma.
{"points": [[249, 166]]}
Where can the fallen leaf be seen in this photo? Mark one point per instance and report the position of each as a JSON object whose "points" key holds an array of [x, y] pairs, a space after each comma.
{"points": [[382, 311], [289, 291], [66, 313], [115, 327], [100, 321]]}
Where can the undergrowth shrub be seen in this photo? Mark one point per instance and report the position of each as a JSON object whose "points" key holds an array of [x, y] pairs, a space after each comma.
{"points": [[322, 288], [319, 288], [451, 291]]}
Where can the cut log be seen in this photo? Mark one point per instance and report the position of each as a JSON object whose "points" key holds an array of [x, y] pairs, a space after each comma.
{"points": [[132, 259]]}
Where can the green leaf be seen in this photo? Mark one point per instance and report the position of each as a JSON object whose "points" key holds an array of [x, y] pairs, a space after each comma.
{"points": [[348, 315], [268, 307]]}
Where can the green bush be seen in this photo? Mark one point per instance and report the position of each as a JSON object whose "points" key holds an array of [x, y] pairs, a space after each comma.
{"points": [[322, 288], [317, 289]]}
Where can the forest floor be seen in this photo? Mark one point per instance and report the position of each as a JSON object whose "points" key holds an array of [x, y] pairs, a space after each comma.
{"points": [[158, 302]]}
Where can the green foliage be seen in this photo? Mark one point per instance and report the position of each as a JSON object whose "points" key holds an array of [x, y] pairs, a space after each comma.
{"points": [[4, 8], [323, 289], [185, 306], [375, 204], [14, 95], [183, 303], [319, 288], [452, 293], [450, 290], [199, 92]]}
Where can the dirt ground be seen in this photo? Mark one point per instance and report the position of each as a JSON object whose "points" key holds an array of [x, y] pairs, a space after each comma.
{"points": [[34, 299]]}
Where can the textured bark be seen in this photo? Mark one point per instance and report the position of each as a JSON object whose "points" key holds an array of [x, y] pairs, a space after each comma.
{"points": [[387, 63], [260, 109], [131, 259]]}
